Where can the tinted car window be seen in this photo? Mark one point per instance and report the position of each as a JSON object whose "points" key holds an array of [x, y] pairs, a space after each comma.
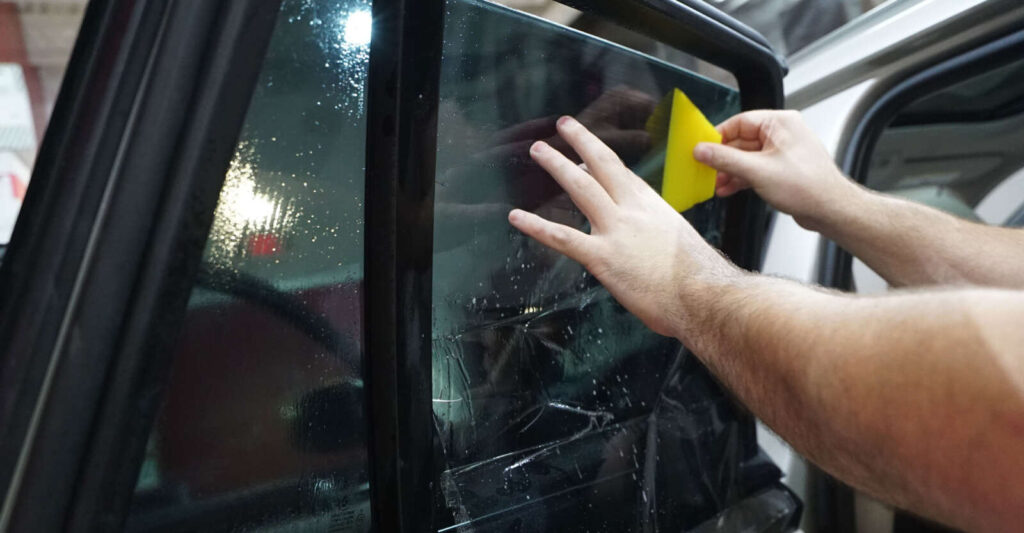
{"points": [[263, 425], [556, 409]]}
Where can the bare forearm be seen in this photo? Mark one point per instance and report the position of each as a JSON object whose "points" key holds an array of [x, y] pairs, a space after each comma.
{"points": [[777, 155], [909, 244], [910, 397], [918, 398]]}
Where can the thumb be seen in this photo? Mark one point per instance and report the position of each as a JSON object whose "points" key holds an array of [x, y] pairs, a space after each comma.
{"points": [[732, 161]]}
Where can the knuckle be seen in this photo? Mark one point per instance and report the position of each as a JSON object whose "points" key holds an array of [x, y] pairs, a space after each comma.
{"points": [[596, 262], [608, 159], [721, 157], [563, 166], [772, 127], [560, 236], [576, 186]]}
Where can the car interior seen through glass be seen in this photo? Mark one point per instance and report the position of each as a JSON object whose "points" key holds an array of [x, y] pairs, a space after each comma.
{"points": [[952, 148]]}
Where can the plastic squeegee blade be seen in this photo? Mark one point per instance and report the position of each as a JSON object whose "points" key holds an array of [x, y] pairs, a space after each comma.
{"points": [[687, 182]]}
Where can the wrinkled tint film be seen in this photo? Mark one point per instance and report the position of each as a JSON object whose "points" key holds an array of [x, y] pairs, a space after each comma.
{"points": [[263, 426], [556, 409]]}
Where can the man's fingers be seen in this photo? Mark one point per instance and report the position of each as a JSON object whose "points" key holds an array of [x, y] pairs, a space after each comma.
{"points": [[586, 193], [750, 145], [563, 239], [750, 125], [604, 165], [732, 161]]}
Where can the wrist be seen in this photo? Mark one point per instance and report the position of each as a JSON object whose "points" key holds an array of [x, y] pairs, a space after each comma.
{"points": [[845, 198]]}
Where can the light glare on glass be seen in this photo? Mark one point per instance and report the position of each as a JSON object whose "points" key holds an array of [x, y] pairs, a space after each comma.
{"points": [[358, 28]]}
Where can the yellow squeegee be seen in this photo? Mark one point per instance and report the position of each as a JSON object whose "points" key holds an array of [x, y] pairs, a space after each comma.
{"points": [[678, 125]]}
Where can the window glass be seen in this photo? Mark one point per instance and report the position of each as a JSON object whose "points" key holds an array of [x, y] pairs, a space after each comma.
{"points": [[556, 410], [262, 425], [957, 149], [989, 96], [957, 143]]}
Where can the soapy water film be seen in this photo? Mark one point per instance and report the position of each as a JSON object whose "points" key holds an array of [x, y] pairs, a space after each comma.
{"points": [[291, 205]]}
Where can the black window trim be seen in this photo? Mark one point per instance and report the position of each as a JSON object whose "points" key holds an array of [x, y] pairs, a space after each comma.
{"points": [[401, 142]]}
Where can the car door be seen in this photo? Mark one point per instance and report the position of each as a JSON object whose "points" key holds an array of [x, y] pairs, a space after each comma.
{"points": [[262, 280], [918, 99]]}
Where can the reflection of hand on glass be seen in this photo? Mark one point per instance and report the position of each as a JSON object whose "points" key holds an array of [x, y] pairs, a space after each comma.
{"points": [[618, 117]]}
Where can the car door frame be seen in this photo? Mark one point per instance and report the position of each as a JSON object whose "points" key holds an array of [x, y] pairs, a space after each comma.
{"points": [[96, 280]]}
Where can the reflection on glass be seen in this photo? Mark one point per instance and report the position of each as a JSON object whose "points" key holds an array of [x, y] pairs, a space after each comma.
{"points": [[358, 28], [262, 425], [556, 409]]}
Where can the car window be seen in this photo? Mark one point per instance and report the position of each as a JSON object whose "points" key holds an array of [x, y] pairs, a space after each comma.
{"points": [[958, 149], [262, 425], [990, 96], [555, 409], [961, 141]]}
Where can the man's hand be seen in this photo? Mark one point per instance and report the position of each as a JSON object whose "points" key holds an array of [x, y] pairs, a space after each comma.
{"points": [[908, 244], [776, 154], [639, 248], [917, 398]]}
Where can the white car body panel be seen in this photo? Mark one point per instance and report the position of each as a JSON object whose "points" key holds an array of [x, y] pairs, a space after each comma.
{"points": [[833, 83]]}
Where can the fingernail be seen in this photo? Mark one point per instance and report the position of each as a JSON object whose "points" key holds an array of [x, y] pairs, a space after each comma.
{"points": [[515, 215], [702, 153], [566, 120], [538, 147]]}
